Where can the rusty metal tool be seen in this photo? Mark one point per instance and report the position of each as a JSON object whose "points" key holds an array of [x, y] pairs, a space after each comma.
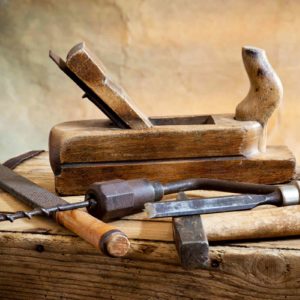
{"points": [[105, 237], [119, 198], [282, 195], [190, 240], [114, 199]]}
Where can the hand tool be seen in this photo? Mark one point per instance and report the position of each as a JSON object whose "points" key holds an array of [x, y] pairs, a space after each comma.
{"points": [[118, 198], [107, 238], [114, 199], [132, 145], [282, 195], [110, 200], [190, 240]]}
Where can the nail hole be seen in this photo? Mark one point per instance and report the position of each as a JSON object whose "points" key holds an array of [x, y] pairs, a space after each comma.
{"points": [[40, 248], [215, 263]]}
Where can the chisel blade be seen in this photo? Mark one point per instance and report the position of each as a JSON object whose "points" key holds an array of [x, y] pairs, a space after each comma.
{"points": [[205, 206]]}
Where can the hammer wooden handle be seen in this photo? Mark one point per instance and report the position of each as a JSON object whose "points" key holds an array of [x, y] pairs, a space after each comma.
{"points": [[103, 236], [253, 224]]}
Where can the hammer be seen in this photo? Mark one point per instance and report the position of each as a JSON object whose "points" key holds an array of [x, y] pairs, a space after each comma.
{"points": [[190, 239]]}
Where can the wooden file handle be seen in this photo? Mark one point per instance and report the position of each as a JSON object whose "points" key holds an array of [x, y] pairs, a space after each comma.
{"points": [[104, 237]]}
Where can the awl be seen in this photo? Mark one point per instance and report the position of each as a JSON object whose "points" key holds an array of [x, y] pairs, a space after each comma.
{"points": [[282, 195], [107, 238]]}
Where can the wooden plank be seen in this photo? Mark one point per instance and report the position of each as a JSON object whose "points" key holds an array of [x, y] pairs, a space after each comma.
{"points": [[69, 268], [274, 166], [90, 141]]}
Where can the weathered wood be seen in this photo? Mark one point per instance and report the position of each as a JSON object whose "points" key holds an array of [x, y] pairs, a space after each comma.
{"points": [[98, 141], [70, 269], [40, 259], [265, 93], [274, 166], [92, 72]]}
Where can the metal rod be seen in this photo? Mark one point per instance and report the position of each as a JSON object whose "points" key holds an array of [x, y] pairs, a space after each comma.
{"points": [[217, 185], [45, 211]]}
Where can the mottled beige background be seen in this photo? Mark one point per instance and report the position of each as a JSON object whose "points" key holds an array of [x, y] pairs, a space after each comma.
{"points": [[172, 57]]}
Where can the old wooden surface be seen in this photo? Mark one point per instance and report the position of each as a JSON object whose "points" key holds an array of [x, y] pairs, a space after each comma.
{"points": [[39, 259], [274, 166], [200, 136]]}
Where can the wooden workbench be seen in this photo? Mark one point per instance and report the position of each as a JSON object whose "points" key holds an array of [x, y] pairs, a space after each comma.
{"points": [[41, 260]]}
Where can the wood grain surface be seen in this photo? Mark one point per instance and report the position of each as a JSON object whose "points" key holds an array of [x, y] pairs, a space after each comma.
{"points": [[40, 259], [98, 141], [274, 166], [98, 234], [93, 73], [265, 93]]}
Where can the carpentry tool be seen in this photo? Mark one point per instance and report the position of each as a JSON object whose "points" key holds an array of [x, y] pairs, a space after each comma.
{"points": [[282, 195], [107, 238], [190, 240], [114, 199], [131, 145], [119, 198]]}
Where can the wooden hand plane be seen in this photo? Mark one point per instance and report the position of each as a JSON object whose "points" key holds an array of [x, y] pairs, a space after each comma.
{"points": [[131, 145]]}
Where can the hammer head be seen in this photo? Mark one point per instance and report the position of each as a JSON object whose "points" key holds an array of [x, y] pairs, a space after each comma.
{"points": [[191, 241]]}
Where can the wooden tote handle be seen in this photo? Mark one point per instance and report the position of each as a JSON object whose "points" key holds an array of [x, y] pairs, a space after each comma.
{"points": [[107, 238], [265, 93]]}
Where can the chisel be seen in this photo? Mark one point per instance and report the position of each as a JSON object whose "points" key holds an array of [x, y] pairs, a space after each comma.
{"points": [[282, 195]]}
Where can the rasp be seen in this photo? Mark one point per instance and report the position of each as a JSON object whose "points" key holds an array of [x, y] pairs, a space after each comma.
{"points": [[107, 238]]}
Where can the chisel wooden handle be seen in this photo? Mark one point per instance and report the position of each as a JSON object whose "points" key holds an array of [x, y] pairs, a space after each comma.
{"points": [[105, 237]]}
